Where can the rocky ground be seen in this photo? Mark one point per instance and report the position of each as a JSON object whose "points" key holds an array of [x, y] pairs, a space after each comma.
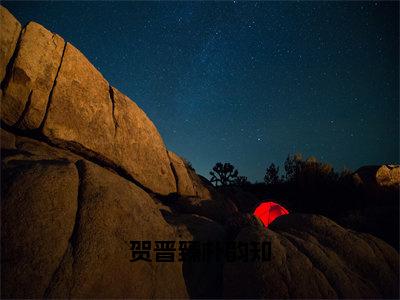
{"points": [[85, 171]]}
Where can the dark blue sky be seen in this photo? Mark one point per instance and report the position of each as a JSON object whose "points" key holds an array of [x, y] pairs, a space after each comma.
{"points": [[248, 83]]}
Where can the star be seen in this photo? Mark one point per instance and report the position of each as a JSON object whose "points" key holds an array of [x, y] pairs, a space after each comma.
{"points": [[229, 74]]}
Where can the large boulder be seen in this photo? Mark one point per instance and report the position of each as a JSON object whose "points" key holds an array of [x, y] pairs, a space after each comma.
{"points": [[39, 205], [80, 110], [92, 118], [10, 31], [313, 257], [82, 218], [32, 76], [67, 224], [384, 176], [51, 86], [112, 212]]}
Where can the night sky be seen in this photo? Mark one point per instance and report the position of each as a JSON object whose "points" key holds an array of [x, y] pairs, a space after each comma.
{"points": [[248, 82]]}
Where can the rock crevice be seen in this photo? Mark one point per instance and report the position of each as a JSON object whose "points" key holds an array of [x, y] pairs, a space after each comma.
{"points": [[111, 92], [25, 111], [52, 89]]}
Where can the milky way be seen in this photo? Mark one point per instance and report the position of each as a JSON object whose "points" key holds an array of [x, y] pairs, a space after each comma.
{"points": [[248, 83]]}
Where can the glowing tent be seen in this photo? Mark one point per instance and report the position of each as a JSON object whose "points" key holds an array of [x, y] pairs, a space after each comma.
{"points": [[269, 211]]}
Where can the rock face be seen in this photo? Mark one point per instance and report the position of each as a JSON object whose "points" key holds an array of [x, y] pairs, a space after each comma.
{"points": [[44, 195], [10, 30], [183, 181], [203, 189], [81, 219], [98, 255], [85, 172], [88, 115], [80, 109], [384, 176], [313, 257], [52, 88], [139, 146], [33, 72]]}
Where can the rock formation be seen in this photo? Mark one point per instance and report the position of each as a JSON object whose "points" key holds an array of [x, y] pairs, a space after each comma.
{"points": [[85, 171], [384, 176], [54, 90], [10, 30], [312, 257]]}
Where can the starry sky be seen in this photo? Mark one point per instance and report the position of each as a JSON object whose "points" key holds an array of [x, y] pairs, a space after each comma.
{"points": [[248, 82]]}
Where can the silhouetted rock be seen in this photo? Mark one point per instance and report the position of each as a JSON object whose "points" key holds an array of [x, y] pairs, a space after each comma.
{"points": [[203, 278], [245, 201], [216, 209], [239, 221], [379, 220], [7, 140]]}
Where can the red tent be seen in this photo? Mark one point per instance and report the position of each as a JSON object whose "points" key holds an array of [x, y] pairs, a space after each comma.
{"points": [[269, 211]]}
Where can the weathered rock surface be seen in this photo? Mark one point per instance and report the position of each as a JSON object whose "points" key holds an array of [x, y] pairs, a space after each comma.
{"points": [[16, 148], [97, 264], [39, 205], [33, 72], [10, 30], [66, 230], [53, 87], [90, 214], [312, 257], [388, 175], [80, 110], [203, 189], [139, 147], [91, 117], [384, 176], [183, 181]]}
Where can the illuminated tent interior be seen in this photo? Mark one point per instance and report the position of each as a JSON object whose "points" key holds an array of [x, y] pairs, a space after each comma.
{"points": [[269, 211]]}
